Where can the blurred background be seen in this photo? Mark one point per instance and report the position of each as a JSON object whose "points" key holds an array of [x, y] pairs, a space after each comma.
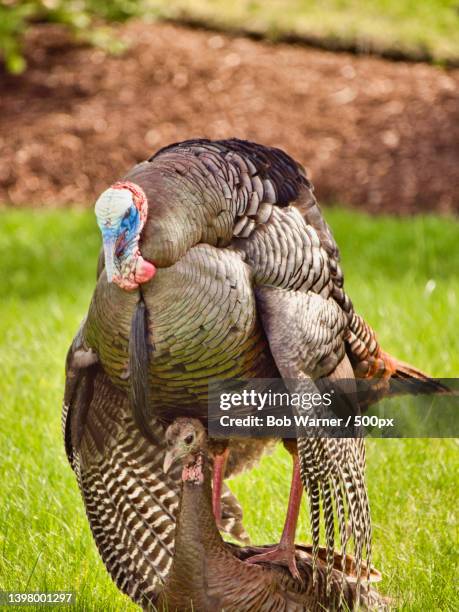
{"points": [[365, 95], [91, 92]]}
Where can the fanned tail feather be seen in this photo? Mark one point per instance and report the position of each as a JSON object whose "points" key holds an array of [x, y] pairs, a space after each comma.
{"points": [[341, 514], [314, 510], [357, 505], [415, 380], [337, 484], [314, 472], [329, 530]]}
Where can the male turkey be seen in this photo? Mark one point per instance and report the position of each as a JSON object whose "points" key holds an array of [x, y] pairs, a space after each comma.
{"points": [[219, 256], [209, 575]]}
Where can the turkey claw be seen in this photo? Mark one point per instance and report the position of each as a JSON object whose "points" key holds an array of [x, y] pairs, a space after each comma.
{"points": [[281, 555]]}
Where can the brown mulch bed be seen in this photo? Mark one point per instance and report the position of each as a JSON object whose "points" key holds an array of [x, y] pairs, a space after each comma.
{"points": [[380, 135]]}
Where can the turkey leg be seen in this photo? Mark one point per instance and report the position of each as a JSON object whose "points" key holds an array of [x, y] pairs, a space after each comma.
{"points": [[285, 551], [217, 482]]}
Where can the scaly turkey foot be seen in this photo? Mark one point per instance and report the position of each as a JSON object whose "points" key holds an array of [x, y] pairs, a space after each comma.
{"points": [[217, 483], [279, 554], [284, 552]]}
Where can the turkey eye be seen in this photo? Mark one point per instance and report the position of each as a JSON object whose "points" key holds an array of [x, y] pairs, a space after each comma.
{"points": [[189, 439]]}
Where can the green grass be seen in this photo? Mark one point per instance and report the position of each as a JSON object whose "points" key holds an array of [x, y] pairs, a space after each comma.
{"points": [[48, 269], [417, 28], [422, 30]]}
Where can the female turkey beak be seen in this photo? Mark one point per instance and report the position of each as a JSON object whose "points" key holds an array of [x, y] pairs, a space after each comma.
{"points": [[169, 458]]}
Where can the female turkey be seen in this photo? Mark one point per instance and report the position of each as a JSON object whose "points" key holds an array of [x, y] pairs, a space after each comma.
{"points": [[209, 575], [130, 502], [218, 254]]}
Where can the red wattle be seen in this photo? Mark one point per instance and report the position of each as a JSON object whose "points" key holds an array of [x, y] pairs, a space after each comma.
{"points": [[144, 270], [193, 473]]}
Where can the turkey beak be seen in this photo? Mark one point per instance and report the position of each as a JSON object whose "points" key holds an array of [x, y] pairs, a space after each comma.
{"points": [[169, 459], [109, 253]]}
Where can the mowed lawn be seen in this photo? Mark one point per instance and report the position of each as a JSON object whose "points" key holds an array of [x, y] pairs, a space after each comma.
{"points": [[402, 276], [428, 27]]}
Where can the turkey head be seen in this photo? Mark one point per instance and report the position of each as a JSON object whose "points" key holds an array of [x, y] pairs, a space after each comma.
{"points": [[121, 213]]}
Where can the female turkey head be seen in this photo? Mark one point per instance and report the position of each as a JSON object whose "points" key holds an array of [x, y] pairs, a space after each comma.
{"points": [[121, 213], [186, 440]]}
